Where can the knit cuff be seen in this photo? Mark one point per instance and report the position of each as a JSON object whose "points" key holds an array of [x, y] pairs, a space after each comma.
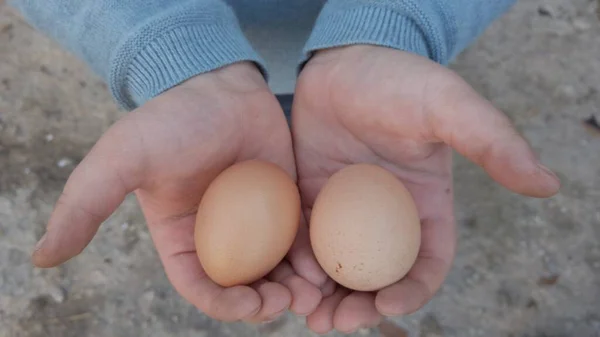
{"points": [[367, 24], [167, 52]]}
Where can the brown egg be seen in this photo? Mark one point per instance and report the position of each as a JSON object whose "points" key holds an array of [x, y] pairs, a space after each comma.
{"points": [[246, 223], [365, 228]]}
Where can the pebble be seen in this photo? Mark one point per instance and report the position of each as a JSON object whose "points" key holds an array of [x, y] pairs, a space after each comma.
{"points": [[567, 91], [581, 24], [27, 170], [145, 301], [57, 293], [64, 162], [364, 332], [49, 137], [98, 277], [546, 10]]}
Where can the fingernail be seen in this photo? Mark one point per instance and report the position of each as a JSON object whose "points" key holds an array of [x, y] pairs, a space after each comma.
{"points": [[548, 172], [40, 243]]}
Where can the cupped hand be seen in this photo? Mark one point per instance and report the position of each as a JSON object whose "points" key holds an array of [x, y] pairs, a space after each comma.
{"points": [[167, 152], [369, 104]]}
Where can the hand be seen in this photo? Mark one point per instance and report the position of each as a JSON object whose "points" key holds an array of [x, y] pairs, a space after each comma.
{"points": [[367, 104], [168, 151]]}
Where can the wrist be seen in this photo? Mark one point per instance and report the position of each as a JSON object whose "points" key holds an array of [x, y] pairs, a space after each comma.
{"points": [[243, 75]]}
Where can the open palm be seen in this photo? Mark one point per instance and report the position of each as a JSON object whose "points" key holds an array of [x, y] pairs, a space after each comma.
{"points": [[167, 152], [367, 104]]}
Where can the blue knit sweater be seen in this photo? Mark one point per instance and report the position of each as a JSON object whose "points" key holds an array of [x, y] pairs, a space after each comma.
{"points": [[144, 47]]}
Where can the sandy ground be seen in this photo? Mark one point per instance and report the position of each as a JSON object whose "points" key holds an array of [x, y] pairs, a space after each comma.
{"points": [[525, 267]]}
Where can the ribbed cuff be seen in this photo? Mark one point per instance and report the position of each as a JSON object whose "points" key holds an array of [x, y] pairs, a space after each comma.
{"points": [[168, 52], [366, 24]]}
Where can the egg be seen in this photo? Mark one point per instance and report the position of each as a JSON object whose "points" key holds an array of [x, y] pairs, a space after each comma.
{"points": [[365, 228], [246, 222]]}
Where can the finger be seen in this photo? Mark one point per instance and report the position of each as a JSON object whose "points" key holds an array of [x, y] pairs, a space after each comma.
{"points": [[225, 304], [275, 299], [476, 129], [321, 320], [303, 260], [174, 242], [305, 296], [437, 250], [356, 311], [329, 288], [94, 190]]}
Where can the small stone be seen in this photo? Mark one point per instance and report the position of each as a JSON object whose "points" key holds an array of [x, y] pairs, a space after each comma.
{"points": [[98, 277], [64, 162], [125, 225], [364, 332], [148, 296], [567, 91], [560, 28], [581, 24], [531, 304], [145, 301], [548, 280], [27, 171], [545, 10], [49, 137], [58, 294], [592, 124]]}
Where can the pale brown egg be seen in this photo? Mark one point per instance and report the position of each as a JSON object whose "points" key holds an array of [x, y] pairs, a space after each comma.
{"points": [[246, 223], [364, 228]]}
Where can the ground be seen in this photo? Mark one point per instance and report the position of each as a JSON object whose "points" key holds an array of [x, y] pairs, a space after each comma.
{"points": [[524, 267]]}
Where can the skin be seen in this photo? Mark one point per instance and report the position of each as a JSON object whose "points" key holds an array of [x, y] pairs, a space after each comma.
{"points": [[353, 105], [167, 152], [368, 104]]}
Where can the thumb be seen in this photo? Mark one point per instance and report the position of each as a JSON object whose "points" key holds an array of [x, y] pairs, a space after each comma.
{"points": [[97, 186], [476, 129]]}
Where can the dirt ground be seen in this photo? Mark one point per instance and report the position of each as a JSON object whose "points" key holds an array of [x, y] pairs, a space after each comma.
{"points": [[524, 268]]}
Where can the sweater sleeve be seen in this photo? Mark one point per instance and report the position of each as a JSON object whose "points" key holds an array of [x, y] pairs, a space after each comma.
{"points": [[436, 29], [142, 48]]}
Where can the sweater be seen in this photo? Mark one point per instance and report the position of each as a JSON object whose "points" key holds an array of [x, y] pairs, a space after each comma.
{"points": [[143, 47]]}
